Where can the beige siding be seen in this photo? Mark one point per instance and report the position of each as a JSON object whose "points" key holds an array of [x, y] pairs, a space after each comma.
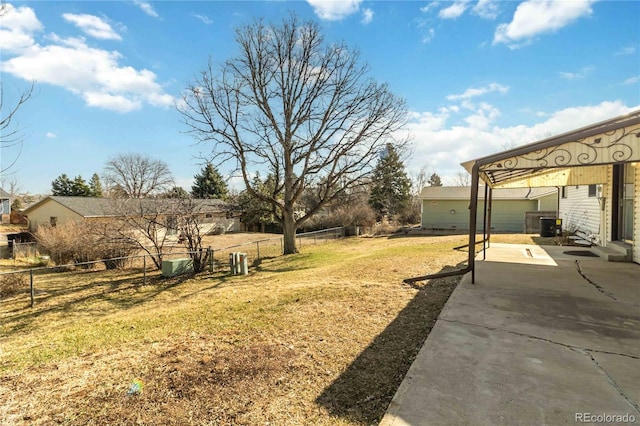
{"points": [[636, 216], [607, 192], [578, 211], [42, 214]]}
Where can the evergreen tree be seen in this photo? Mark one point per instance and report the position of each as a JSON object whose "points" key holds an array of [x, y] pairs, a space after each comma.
{"points": [[256, 211], [209, 184], [434, 180], [176, 192], [95, 186], [79, 187], [62, 185], [391, 187]]}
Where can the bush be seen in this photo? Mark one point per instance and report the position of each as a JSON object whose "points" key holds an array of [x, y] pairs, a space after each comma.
{"points": [[12, 284], [76, 242]]}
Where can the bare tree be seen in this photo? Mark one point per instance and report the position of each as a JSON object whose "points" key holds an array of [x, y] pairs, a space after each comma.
{"points": [[9, 133], [192, 229], [298, 107], [136, 176], [150, 224], [462, 179]]}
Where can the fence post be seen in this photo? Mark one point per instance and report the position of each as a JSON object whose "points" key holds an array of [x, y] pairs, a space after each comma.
{"points": [[210, 254], [258, 247], [144, 270], [31, 287], [282, 245]]}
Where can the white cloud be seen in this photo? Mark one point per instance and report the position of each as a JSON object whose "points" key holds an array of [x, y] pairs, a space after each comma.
{"points": [[628, 50], [93, 26], [94, 74], [534, 17], [203, 18], [478, 91], [632, 80], [575, 75], [454, 11], [334, 10], [17, 26], [432, 5], [487, 9], [146, 8], [367, 16], [51, 135], [428, 35], [444, 139]]}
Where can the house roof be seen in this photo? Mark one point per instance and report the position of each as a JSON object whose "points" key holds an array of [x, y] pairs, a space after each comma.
{"points": [[107, 207], [4, 194], [573, 158], [464, 193]]}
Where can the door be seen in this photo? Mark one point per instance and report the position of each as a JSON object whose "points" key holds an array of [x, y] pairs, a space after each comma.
{"points": [[623, 196]]}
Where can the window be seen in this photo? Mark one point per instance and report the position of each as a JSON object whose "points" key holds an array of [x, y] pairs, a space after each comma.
{"points": [[563, 192], [593, 190], [53, 220]]}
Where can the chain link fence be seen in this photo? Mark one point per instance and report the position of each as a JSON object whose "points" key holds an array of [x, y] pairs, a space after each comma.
{"points": [[45, 282]]}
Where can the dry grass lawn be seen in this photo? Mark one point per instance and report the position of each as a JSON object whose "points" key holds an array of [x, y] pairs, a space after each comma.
{"points": [[321, 337]]}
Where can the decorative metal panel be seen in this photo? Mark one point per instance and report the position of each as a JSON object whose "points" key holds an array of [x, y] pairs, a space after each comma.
{"points": [[616, 146]]}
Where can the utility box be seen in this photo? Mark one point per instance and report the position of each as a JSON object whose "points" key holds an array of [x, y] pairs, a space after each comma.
{"points": [[173, 267], [550, 227], [238, 263]]}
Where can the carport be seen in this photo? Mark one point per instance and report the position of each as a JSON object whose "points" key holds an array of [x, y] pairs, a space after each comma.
{"points": [[542, 336], [605, 153]]}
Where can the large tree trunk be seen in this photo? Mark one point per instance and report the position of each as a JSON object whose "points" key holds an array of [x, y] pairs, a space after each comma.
{"points": [[289, 228]]}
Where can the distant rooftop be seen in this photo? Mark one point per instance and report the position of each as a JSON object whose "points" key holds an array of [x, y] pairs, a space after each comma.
{"points": [[107, 207]]}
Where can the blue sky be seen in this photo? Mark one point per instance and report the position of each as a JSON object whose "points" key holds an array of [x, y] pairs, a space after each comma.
{"points": [[478, 76]]}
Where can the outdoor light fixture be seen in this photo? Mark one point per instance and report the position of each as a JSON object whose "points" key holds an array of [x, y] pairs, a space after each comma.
{"points": [[452, 211]]}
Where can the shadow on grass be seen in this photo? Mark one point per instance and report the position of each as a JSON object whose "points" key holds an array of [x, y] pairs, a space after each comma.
{"points": [[362, 393], [106, 290]]}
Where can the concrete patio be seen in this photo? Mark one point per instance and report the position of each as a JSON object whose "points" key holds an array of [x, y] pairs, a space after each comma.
{"points": [[542, 338]]}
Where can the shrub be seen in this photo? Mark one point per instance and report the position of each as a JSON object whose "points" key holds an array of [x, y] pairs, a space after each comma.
{"points": [[12, 284], [76, 242]]}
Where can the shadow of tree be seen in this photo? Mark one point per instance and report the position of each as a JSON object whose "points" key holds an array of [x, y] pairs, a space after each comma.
{"points": [[362, 393], [105, 289]]}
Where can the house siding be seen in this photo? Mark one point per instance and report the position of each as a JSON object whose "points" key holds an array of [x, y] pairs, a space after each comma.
{"points": [[548, 203], [42, 214], [507, 216], [578, 211]]}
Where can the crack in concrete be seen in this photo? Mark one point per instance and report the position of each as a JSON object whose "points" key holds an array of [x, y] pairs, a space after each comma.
{"points": [[610, 379], [584, 351], [600, 288], [517, 333]]}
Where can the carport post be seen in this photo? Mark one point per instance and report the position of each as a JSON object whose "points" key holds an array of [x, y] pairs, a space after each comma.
{"points": [[489, 217], [473, 215], [484, 223]]}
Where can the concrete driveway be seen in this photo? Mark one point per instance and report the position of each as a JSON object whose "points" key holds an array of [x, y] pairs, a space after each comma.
{"points": [[542, 338]]}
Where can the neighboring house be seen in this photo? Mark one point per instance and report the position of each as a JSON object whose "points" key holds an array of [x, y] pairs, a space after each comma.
{"points": [[581, 209], [5, 207], [514, 210], [57, 210]]}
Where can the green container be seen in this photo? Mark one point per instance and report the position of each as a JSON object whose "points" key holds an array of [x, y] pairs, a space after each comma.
{"points": [[173, 267]]}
